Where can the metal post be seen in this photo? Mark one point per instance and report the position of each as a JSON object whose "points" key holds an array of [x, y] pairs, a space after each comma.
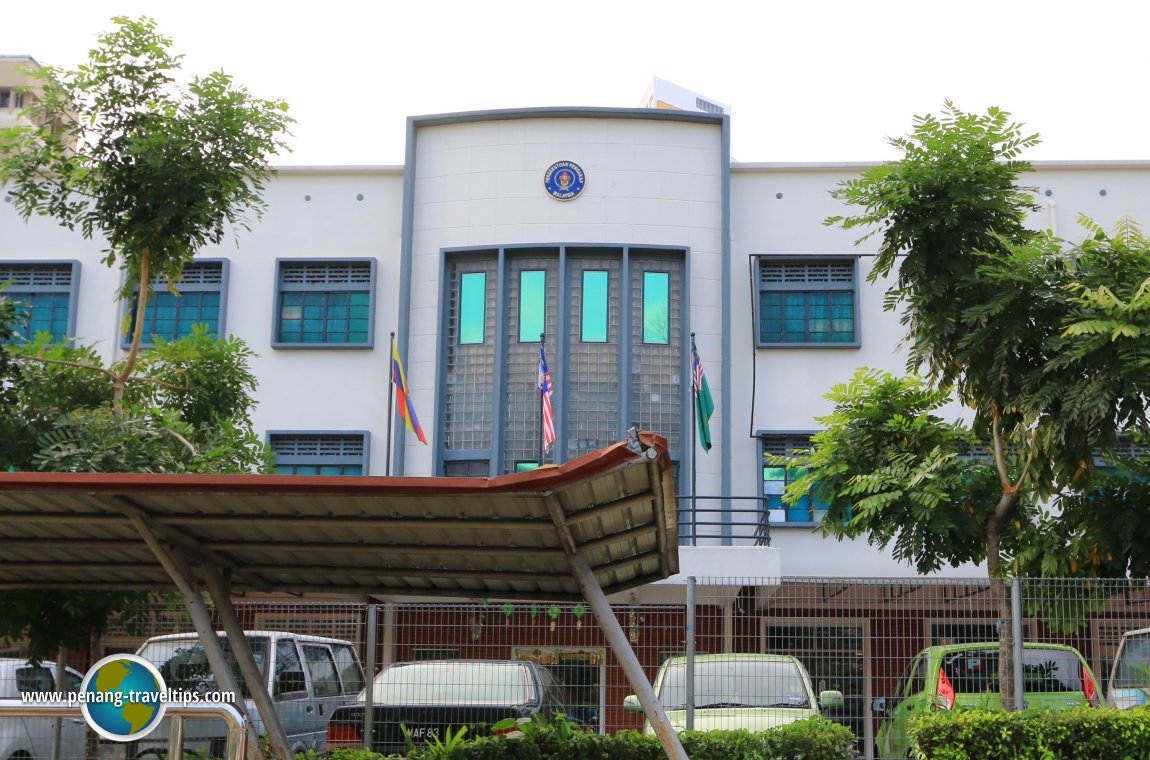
{"points": [[242, 651], [57, 724], [369, 658], [175, 735], [390, 405], [690, 674], [615, 636], [1016, 623]]}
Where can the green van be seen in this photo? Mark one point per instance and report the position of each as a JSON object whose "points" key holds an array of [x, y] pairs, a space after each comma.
{"points": [[1056, 677], [737, 691]]}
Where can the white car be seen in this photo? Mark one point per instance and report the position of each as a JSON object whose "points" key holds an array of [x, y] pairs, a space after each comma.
{"points": [[31, 738], [1130, 676]]}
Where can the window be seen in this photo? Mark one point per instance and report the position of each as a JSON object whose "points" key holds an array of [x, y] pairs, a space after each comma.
{"points": [[198, 300], [472, 308], [5, 98], [807, 303], [325, 304], [776, 478], [46, 293], [593, 320], [466, 468], [656, 301], [321, 667], [532, 299], [319, 453]]}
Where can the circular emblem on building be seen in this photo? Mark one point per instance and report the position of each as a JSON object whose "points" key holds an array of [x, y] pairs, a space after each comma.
{"points": [[123, 697], [564, 180]]}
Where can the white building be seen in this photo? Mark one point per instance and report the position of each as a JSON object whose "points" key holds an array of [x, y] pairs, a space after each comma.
{"points": [[468, 257]]}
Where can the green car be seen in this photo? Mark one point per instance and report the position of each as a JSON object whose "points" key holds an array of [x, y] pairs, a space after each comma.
{"points": [[1055, 677], [733, 691]]}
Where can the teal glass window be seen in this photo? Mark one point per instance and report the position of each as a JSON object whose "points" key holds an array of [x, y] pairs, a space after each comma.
{"points": [[198, 299], [776, 478], [593, 325], [532, 303], [656, 307], [472, 307], [807, 302], [526, 466], [43, 293], [325, 303], [319, 453]]}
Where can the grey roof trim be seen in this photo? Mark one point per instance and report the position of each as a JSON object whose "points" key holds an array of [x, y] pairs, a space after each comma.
{"points": [[396, 169], [744, 167], [509, 114]]}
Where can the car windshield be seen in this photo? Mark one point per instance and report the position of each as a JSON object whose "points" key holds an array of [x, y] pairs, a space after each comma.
{"points": [[735, 683], [1044, 671], [1133, 670], [184, 665], [447, 682]]}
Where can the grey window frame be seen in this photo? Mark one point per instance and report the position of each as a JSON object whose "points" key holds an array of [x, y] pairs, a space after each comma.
{"points": [[761, 287], [281, 287], [788, 435], [9, 268], [361, 459], [182, 287]]}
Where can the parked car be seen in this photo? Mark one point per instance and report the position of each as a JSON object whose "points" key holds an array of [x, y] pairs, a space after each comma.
{"points": [[1130, 675], [308, 677], [31, 738], [733, 691], [430, 698], [1055, 677]]}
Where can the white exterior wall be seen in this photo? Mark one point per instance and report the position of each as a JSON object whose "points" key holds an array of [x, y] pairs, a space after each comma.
{"points": [[481, 184], [649, 182]]}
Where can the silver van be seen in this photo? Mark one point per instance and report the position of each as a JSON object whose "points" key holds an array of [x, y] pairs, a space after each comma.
{"points": [[308, 677], [1130, 676]]}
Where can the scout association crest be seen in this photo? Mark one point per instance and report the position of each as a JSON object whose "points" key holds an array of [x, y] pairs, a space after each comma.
{"points": [[564, 180]]}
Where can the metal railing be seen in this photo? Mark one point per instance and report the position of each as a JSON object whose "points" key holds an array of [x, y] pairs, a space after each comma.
{"points": [[236, 748], [725, 523]]}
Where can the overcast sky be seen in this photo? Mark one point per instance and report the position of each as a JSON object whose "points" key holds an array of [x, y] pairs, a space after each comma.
{"points": [[813, 81]]}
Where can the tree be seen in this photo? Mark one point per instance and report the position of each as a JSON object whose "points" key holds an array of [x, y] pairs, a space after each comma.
{"points": [[123, 150], [1005, 320]]}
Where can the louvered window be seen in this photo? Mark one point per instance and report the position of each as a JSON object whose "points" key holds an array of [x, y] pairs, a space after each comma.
{"points": [[198, 298], [325, 304], [777, 476], [45, 294], [807, 302], [320, 453]]}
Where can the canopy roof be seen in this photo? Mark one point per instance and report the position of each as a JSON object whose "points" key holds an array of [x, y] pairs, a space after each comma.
{"points": [[504, 537]]}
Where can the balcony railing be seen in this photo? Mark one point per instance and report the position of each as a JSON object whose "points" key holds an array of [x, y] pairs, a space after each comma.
{"points": [[724, 521]]}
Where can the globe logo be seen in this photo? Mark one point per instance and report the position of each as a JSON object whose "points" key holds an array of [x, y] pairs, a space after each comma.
{"points": [[122, 697]]}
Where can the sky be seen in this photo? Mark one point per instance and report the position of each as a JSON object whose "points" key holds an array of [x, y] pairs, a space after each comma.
{"points": [[821, 80]]}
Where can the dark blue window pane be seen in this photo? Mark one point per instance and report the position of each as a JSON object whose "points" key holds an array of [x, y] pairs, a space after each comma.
{"points": [[806, 316]]}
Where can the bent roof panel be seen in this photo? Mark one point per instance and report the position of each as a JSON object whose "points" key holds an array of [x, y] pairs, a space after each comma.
{"points": [[500, 537]]}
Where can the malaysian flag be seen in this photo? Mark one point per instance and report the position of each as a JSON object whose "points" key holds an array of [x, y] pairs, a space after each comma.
{"points": [[545, 390]]}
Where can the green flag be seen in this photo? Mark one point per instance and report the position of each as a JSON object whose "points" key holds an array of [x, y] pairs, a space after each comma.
{"points": [[704, 404]]}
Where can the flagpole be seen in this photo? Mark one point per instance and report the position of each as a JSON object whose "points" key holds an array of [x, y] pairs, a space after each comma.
{"points": [[541, 397], [694, 426], [390, 404]]}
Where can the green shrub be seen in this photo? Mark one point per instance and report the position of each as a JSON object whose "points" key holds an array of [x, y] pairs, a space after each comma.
{"points": [[1079, 734], [814, 739]]}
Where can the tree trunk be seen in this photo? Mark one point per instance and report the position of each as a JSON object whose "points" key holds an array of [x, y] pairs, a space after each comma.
{"points": [[1000, 589], [121, 380]]}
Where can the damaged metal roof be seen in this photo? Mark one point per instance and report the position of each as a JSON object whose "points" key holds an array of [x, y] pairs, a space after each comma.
{"points": [[504, 537]]}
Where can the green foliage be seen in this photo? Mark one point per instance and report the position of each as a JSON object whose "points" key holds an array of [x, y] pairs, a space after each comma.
{"points": [[889, 468], [1079, 734], [813, 739], [50, 619], [123, 149]]}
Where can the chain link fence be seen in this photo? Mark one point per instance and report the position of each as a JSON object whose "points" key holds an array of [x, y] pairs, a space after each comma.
{"points": [[868, 640]]}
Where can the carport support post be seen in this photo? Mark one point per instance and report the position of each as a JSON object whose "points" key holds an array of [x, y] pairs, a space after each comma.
{"points": [[1016, 627], [369, 660], [257, 682], [178, 571], [615, 636]]}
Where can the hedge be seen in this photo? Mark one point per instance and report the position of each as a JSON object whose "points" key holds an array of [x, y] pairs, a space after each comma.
{"points": [[813, 739], [1079, 734]]}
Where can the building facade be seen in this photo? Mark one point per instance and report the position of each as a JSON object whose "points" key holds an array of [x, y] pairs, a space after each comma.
{"points": [[474, 250]]}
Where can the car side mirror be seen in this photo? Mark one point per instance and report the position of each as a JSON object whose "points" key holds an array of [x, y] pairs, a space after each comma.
{"points": [[878, 705], [631, 704], [830, 699]]}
